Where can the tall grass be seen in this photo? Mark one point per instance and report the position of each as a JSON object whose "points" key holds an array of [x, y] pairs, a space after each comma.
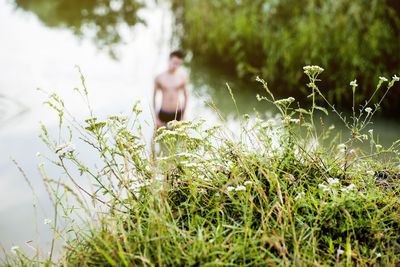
{"points": [[279, 192]]}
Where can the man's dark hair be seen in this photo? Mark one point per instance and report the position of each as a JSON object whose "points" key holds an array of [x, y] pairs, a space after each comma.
{"points": [[178, 54]]}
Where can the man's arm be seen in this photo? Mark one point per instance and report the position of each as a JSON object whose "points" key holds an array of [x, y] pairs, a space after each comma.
{"points": [[185, 95], [156, 88]]}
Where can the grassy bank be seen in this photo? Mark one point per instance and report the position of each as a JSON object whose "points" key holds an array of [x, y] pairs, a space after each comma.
{"points": [[278, 192], [275, 38]]}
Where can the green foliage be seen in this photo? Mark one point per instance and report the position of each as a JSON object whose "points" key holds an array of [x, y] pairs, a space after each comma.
{"points": [[275, 38], [276, 193]]}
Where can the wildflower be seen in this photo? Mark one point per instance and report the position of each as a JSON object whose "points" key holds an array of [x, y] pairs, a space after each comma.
{"points": [[378, 147], [368, 110], [240, 188], [323, 187], [38, 154], [370, 172], [341, 146], [383, 79], [395, 78], [14, 249], [299, 195], [333, 181], [47, 221], [371, 131], [378, 255], [248, 183], [217, 195], [312, 70], [349, 188], [340, 251], [65, 148], [288, 119], [230, 188], [284, 102], [364, 137], [353, 83]]}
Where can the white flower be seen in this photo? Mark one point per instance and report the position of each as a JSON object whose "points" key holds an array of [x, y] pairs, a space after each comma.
{"points": [[14, 249], [240, 188], [284, 101], [378, 255], [372, 173], [354, 83], [349, 188], [395, 78], [340, 251], [378, 147], [333, 181], [341, 146], [364, 136], [324, 187], [230, 188], [299, 195], [383, 79], [47, 221], [217, 195], [38, 154], [311, 70], [65, 148], [368, 109], [248, 183]]}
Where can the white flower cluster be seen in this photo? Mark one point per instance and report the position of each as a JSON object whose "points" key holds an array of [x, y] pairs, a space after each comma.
{"points": [[239, 187], [65, 148], [332, 183], [395, 78], [299, 196], [137, 185], [348, 188], [311, 70], [284, 101], [47, 221], [341, 148], [288, 120], [368, 110], [383, 79]]}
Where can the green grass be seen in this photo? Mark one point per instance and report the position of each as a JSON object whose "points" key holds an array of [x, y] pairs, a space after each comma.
{"points": [[279, 192]]}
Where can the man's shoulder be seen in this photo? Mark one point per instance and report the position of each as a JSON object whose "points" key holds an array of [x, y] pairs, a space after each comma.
{"points": [[159, 76], [184, 75]]}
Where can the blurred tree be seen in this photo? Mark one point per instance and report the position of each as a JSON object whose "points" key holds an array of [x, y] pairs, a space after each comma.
{"points": [[100, 18], [356, 39]]}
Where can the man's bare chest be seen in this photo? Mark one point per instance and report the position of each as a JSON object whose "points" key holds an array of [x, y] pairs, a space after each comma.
{"points": [[171, 84]]}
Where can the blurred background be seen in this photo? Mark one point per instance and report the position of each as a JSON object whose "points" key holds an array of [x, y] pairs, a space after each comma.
{"points": [[121, 45]]}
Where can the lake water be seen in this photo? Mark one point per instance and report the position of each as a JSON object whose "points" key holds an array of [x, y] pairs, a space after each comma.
{"points": [[34, 55]]}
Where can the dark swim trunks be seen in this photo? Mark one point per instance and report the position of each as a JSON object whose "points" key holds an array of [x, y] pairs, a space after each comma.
{"points": [[167, 116]]}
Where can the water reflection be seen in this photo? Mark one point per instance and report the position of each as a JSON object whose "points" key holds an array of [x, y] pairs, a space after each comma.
{"points": [[10, 109], [100, 20], [210, 83]]}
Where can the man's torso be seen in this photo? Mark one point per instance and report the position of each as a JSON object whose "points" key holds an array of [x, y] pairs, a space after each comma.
{"points": [[171, 85]]}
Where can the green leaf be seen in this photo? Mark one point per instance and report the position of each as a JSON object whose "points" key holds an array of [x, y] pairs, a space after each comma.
{"points": [[322, 109], [302, 110]]}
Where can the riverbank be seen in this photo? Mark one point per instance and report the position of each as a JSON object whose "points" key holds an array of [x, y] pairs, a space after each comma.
{"points": [[274, 39], [280, 191]]}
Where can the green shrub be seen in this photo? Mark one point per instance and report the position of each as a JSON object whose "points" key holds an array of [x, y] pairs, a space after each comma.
{"points": [[275, 38]]}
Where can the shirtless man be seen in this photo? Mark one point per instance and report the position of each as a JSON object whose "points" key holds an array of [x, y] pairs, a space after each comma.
{"points": [[171, 82]]}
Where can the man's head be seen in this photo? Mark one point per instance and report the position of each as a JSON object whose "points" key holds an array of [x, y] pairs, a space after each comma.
{"points": [[175, 60]]}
